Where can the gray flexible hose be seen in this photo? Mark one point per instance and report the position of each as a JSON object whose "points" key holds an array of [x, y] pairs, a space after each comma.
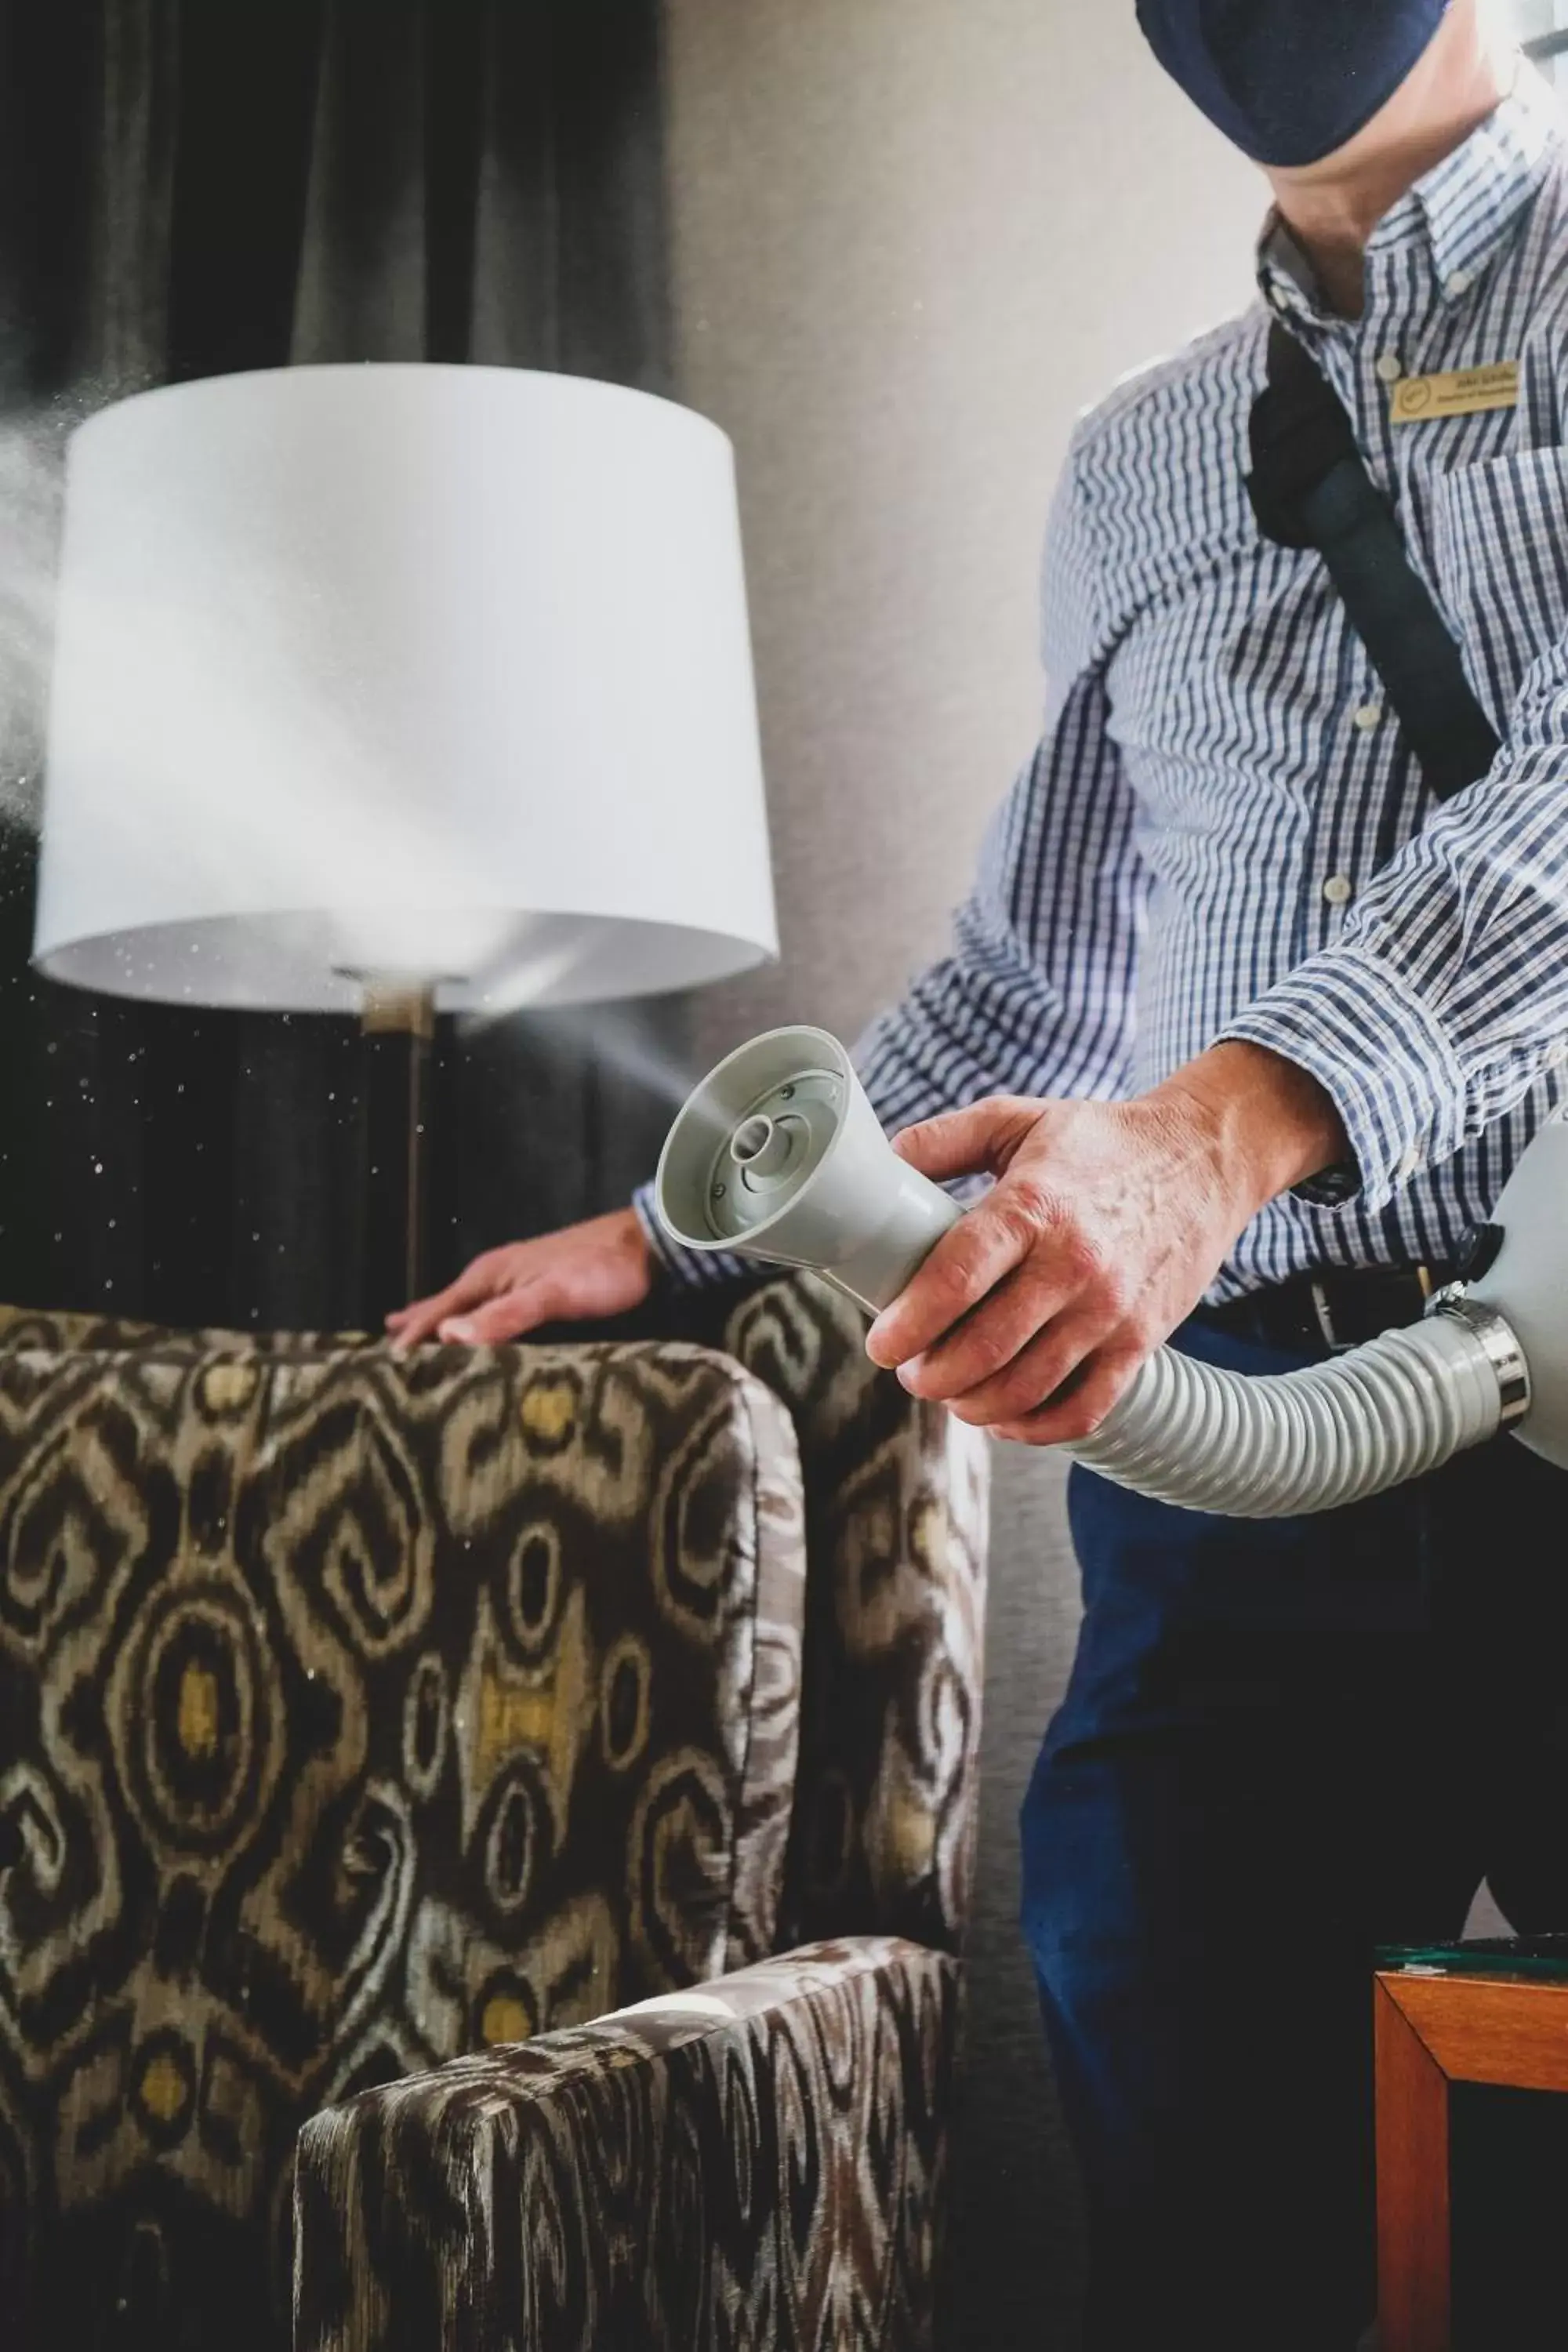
{"points": [[1272, 1445]]}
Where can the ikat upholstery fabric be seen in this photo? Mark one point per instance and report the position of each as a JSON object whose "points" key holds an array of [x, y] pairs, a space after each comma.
{"points": [[758, 2165], [353, 1714], [356, 1714]]}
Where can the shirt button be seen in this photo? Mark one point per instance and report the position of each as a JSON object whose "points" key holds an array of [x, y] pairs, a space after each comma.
{"points": [[1411, 1165], [1389, 367], [1556, 1054], [1339, 890], [1368, 715], [1457, 281]]}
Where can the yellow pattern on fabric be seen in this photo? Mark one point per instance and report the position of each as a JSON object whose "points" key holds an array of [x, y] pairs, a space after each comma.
{"points": [[198, 1712]]}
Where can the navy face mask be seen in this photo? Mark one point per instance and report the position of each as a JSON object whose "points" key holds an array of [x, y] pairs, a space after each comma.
{"points": [[1289, 80]]}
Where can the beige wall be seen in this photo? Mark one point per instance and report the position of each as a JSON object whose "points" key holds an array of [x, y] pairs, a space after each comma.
{"points": [[912, 238]]}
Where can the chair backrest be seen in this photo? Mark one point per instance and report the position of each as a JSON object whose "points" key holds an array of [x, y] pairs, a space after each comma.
{"points": [[886, 1806], [353, 1713]]}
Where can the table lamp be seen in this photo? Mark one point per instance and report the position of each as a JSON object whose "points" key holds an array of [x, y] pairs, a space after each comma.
{"points": [[397, 688]]}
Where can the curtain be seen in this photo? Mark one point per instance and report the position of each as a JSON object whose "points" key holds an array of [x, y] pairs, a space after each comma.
{"points": [[193, 186]]}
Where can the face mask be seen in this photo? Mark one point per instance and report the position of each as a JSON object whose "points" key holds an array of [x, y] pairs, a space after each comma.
{"points": [[1289, 80]]}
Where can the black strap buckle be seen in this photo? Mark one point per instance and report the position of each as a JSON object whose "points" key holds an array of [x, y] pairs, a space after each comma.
{"points": [[1324, 1313]]}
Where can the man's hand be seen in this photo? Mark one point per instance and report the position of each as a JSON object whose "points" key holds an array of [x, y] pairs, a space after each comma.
{"points": [[1106, 1225], [601, 1268]]}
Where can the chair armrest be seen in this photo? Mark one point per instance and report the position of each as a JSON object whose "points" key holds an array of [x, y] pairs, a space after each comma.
{"points": [[761, 2161]]}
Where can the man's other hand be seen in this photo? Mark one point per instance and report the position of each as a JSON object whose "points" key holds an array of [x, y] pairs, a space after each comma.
{"points": [[1107, 1223], [581, 1275]]}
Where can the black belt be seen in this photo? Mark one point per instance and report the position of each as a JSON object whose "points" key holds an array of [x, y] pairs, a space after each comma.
{"points": [[1336, 1308]]}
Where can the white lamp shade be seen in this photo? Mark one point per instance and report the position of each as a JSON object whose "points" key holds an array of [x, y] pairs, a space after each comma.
{"points": [[440, 675]]}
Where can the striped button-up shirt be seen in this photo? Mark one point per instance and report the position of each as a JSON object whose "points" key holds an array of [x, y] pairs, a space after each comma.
{"points": [[1223, 833]]}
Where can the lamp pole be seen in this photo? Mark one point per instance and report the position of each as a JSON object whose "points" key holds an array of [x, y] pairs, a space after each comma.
{"points": [[397, 1021]]}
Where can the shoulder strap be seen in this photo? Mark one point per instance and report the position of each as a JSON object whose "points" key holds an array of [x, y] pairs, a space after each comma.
{"points": [[1310, 487]]}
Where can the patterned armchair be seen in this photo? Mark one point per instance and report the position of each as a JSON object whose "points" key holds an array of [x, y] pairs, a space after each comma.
{"points": [[373, 1732]]}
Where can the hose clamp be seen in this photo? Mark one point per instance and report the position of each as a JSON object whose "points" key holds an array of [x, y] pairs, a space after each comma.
{"points": [[1503, 1352]]}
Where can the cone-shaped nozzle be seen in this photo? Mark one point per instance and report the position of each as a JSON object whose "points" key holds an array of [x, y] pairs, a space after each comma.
{"points": [[778, 1156]]}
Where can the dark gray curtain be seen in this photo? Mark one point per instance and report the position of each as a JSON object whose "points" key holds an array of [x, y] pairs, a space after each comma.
{"points": [[193, 186]]}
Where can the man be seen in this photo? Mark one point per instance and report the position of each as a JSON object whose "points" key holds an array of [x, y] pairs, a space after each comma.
{"points": [[1272, 1027]]}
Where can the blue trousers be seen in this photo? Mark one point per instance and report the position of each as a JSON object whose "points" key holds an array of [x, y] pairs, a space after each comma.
{"points": [[1282, 1745]]}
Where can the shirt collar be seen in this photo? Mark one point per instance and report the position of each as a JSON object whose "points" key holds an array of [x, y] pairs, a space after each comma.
{"points": [[1460, 215]]}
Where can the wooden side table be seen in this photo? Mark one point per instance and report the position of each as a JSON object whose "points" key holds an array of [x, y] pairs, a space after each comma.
{"points": [[1441, 2021]]}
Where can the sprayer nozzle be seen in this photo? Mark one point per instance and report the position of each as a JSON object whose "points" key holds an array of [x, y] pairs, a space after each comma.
{"points": [[770, 1146], [778, 1154], [749, 1145]]}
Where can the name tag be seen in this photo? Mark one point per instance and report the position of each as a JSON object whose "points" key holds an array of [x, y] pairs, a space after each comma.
{"points": [[1462, 392]]}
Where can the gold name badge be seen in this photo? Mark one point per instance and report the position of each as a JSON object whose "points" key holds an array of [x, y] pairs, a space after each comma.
{"points": [[1463, 392]]}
